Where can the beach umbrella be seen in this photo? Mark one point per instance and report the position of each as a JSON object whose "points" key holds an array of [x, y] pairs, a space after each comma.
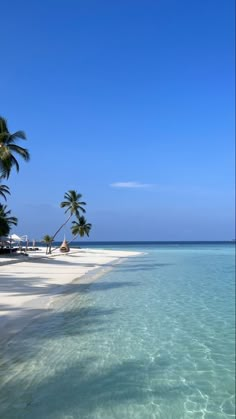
{"points": [[15, 238]]}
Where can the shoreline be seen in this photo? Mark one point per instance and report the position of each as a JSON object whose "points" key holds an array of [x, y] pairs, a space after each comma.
{"points": [[30, 284]]}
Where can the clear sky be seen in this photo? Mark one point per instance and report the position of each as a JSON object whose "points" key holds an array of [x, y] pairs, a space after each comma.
{"points": [[129, 102]]}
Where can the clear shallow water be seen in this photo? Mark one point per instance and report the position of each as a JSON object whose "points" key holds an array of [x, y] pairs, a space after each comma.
{"points": [[153, 338]]}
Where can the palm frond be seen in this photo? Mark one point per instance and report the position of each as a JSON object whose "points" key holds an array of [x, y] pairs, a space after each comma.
{"points": [[3, 125], [12, 220], [47, 239], [8, 148], [64, 204], [14, 162], [4, 136], [4, 152], [5, 215], [3, 171], [23, 152], [4, 189], [18, 134], [81, 227], [5, 168], [72, 203]]}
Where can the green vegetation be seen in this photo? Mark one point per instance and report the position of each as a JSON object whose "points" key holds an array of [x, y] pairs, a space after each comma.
{"points": [[80, 227], [73, 204], [48, 240], [8, 152], [8, 149], [6, 221], [4, 190]]}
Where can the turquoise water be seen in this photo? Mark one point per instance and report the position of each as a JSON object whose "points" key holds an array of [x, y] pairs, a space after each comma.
{"points": [[152, 338]]}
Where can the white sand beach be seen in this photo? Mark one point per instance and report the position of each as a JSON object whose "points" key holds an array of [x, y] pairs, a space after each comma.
{"points": [[28, 284]]}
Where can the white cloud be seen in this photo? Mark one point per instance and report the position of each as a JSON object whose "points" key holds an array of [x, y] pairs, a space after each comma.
{"points": [[130, 185]]}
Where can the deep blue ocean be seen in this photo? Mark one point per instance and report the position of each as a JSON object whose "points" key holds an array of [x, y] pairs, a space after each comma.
{"points": [[154, 337]]}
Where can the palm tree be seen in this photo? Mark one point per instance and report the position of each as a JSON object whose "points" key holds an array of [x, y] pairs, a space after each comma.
{"points": [[48, 240], [73, 205], [6, 221], [80, 228], [4, 189], [4, 227], [8, 148]]}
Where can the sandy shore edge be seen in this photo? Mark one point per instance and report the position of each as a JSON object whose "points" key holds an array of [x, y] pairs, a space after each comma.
{"points": [[28, 284]]}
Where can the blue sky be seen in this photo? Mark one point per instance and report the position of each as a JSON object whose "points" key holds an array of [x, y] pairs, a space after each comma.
{"points": [[130, 103]]}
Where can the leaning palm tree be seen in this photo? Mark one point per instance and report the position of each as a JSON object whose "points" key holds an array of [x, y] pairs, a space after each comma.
{"points": [[48, 240], [73, 205], [80, 228], [6, 220], [4, 189], [8, 149]]}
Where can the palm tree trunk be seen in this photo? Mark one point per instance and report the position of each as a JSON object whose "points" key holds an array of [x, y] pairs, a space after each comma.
{"points": [[53, 237], [75, 237]]}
